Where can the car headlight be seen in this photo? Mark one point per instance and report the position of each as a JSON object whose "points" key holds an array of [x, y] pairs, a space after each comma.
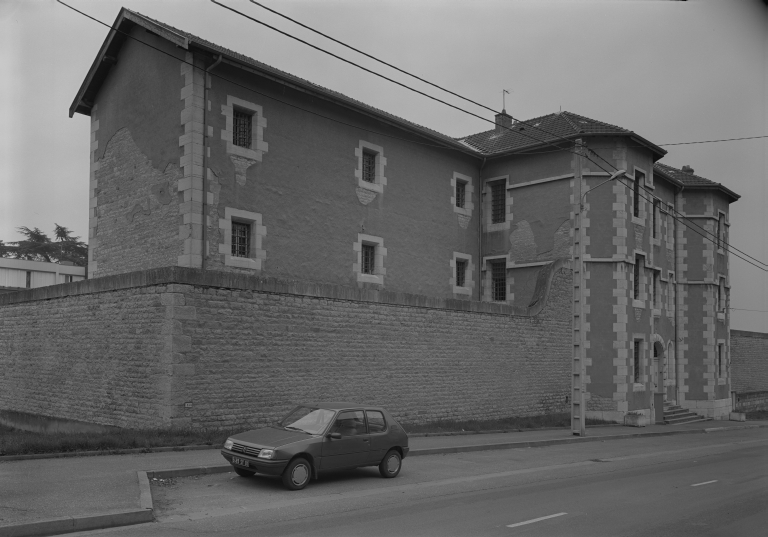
{"points": [[266, 453], [228, 444]]}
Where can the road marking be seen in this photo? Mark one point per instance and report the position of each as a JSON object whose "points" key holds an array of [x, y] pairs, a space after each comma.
{"points": [[705, 483], [535, 520]]}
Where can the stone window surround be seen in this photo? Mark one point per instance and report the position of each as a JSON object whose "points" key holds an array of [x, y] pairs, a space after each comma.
{"points": [[722, 221], [379, 271], [670, 238], [469, 282], [656, 221], [639, 302], [638, 385], [723, 303], [671, 293], [488, 279], [642, 216], [488, 225], [258, 145], [469, 205], [256, 258], [656, 283], [380, 181]]}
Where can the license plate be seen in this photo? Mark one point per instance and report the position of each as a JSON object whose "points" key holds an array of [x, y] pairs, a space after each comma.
{"points": [[241, 462]]}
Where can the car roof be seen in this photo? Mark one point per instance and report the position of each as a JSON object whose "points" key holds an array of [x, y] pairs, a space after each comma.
{"points": [[336, 405]]}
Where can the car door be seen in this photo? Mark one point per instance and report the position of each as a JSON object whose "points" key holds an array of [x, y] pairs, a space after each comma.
{"points": [[381, 440], [354, 446]]}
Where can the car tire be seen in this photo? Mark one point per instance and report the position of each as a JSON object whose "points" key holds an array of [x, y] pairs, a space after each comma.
{"points": [[243, 473], [391, 463], [297, 474]]}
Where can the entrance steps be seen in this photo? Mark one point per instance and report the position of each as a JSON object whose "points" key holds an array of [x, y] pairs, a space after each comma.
{"points": [[675, 415]]}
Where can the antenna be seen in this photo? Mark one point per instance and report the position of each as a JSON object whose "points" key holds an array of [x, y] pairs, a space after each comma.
{"points": [[503, 100]]}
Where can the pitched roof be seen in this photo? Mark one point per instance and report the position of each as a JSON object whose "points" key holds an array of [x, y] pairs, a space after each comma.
{"points": [[544, 130], [690, 180], [126, 19]]}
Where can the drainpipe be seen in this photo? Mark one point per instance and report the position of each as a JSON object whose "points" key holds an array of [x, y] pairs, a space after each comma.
{"points": [[480, 227], [677, 309], [205, 160]]}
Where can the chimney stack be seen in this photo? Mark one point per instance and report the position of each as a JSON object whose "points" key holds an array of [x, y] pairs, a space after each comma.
{"points": [[687, 169], [503, 121]]}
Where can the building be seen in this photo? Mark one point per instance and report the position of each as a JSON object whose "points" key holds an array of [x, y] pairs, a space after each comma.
{"points": [[16, 274], [240, 175]]}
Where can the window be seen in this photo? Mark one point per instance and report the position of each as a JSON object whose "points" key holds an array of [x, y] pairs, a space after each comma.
{"points": [[461, 272], [636, 361], [376, 422], [241, 128], [656, 219], [350, 423], [369, 167], [499, 280], [241, 235], [369, 259], [670, 226], [461, 194], [29, 279], [639, 176], [636, 288], [719, 364], [721, 231], [498, 202], [655, 296], [671, 294]]}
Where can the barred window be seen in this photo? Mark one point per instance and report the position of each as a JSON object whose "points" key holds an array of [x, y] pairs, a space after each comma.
{"points": [[636, 361], [639, 176], [461, 194], [655, 217], [636, 290], [241, 235], [498, 202], [461, 273], [369, 167], [241, 128], [655, 289], [369, 259], [720, 232], [499, 280]]}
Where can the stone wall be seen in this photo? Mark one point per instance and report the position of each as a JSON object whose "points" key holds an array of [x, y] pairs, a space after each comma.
{"points": [[177, 346], [749, 361]]}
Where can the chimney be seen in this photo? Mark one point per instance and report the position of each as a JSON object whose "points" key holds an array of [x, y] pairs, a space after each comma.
{"points": [[503, 121], [687, 169]]}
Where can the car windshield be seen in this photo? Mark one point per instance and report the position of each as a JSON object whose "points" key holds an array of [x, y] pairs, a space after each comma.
{"points": [[309, 420]]}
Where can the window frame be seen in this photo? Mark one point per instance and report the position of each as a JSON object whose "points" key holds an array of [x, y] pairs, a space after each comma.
{"points": [[238, 115], [256, 255], [498, 266], [380, 161], [469, 190], [637, 359], [380, 253], [258, 146]]}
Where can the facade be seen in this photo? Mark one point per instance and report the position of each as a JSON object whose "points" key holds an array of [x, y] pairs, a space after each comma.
{"points": [[16, 274], [204, 159]]}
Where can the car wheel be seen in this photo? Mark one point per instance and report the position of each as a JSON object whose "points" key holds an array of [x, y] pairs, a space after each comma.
{"points": [[243, 473], [390, 465], [297, 474]]}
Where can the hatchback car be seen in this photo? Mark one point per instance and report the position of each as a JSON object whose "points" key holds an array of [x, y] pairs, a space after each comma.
{"points": [[316, 438]]}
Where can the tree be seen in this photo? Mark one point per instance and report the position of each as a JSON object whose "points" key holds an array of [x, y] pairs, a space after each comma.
{"points": [[37, 246]]}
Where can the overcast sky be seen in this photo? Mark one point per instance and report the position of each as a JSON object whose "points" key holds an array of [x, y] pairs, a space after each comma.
{"points": [[670, 71]]}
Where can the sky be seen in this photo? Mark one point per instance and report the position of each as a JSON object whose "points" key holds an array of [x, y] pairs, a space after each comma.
{"points": [[670, 71]]}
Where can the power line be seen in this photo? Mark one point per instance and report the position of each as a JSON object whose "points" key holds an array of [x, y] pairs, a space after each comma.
{"points": [[372, 72], [368, 55], [713, 141], [743, 309], [443, 102]]}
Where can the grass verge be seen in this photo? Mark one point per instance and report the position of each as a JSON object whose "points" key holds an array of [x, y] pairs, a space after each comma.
{"points": [[17, 442]]}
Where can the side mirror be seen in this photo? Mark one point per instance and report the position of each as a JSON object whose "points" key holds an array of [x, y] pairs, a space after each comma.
{"points": [[334, 436]]}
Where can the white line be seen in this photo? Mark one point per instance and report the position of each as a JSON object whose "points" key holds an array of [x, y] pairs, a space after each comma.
{"points": [[535, 520], [705, 483]]}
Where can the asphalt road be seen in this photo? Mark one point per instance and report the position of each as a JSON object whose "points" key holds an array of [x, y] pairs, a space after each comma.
{"points": [[681, 485]]}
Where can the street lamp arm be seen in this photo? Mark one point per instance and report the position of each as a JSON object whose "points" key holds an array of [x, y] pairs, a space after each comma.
{"points": [[614, 175]]}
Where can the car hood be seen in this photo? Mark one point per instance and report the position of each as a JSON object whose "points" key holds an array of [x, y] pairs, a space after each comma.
{"points": [[270, 437]]}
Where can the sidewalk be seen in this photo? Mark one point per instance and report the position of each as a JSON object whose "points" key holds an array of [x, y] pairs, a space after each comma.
{"points": [[45, 496]]}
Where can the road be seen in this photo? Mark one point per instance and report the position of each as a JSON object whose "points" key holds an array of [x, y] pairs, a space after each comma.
{"points": [[712, 484]]}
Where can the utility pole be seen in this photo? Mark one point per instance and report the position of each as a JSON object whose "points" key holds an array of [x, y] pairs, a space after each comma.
{"points": [[578, 409]]}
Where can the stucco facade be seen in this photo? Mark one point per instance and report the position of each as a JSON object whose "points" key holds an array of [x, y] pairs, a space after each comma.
{"points": [[315, 187]]}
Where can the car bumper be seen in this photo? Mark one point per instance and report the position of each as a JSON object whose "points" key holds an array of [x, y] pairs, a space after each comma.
{"points": [[405, 451], [261, 466]]}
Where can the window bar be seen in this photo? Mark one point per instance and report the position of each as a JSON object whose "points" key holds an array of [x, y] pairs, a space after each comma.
{"points": [[369, 260]]}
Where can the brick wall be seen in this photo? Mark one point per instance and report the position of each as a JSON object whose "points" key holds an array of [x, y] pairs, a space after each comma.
{"points": [[131, 350], [749, 361]]}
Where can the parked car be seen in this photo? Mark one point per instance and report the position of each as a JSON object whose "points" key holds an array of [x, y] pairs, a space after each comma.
{"points": [[315, 438]]}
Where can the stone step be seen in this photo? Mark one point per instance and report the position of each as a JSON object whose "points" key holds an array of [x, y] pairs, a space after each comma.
{"points": [[690, 418]]}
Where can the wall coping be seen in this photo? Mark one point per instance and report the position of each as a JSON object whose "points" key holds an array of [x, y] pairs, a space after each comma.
{"points": [[745, 333], [227, 280]]}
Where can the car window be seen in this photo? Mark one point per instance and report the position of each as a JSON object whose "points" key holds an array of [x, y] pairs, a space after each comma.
{"points": [[350, 423], [376, 423], [309, 420]]}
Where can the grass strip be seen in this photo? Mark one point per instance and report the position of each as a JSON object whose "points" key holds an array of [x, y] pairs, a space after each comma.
{"points": [[18, 442]]}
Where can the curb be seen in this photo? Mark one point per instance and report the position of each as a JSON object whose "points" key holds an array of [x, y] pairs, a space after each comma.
{"points": [[146, 512]]}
